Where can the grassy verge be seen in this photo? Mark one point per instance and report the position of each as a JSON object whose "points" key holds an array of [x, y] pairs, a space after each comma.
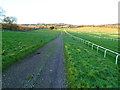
{"points": [[16, 45], [87, 69]]}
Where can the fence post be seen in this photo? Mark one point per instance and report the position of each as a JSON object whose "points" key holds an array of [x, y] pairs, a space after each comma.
{"points": [[97, 48], [117, 59], [105, 53], [92, 46]]}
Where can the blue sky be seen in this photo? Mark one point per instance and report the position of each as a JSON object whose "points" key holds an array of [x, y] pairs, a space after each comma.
{"points": [[77, 12]]}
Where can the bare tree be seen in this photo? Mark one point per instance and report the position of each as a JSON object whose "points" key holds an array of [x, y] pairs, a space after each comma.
{"points": [[10, 20]]}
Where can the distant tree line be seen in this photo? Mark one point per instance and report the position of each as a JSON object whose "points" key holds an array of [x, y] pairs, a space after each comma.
{"points": [[10, 23]]}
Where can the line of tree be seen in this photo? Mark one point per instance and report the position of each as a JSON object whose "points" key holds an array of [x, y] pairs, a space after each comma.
{"points": [[10, 23]]}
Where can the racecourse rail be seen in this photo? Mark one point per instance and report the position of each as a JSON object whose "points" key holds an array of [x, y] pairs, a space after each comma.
{"points": [[93, 44]]}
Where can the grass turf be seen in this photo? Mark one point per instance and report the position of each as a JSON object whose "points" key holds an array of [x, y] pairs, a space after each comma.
{"points": [[87, 69], [109, 44], [16, 45]]}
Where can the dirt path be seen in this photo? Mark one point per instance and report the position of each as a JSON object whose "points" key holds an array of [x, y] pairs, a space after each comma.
{"points": [[42, 69]]}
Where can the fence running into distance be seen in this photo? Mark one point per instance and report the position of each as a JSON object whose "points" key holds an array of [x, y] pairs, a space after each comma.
{"points": [[93, 44]]}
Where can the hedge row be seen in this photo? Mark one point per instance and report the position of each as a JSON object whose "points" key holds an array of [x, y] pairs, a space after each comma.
{"points": [[19, 27]]}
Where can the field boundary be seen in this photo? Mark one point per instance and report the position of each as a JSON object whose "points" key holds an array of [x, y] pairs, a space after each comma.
{"points": [[98, 36], [93, 44]]}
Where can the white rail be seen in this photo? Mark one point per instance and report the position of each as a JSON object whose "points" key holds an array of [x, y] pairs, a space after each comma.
{"points": [[93, 44]]}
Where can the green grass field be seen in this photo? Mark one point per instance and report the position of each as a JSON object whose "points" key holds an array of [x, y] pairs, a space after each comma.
{"points": [[16, 45], [87, 69], [99, 31], [109, 44]]}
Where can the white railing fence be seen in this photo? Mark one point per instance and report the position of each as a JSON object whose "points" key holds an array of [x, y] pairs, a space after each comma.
{"points": [[93, 44]]}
